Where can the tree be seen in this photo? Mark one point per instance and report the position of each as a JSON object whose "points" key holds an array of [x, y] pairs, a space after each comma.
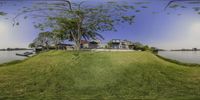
{"points": [[68, 27], [44, 39], [78, 20], [145, 48], [32, 45], [110, 44], [58, 37], [138, 46]]}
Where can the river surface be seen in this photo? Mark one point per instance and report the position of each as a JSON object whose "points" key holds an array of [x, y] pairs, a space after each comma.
{"points": [[182, 56], [7, 56]]}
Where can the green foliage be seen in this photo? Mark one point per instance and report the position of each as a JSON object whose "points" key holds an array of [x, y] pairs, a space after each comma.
{"points": [[174, 6], [17, 23], [128, 19], [40, 26], [32, 45], [61, 75], [109, 44], [140, 46], [2, 13], [25, 17], [140, 3], [144, 7], [137, 11], [68, 27], [145, 48], [44, 39]]}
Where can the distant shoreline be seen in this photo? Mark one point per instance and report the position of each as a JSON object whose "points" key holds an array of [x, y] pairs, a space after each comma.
{"points": [[15, 49], [193, 49], [184, 50]]}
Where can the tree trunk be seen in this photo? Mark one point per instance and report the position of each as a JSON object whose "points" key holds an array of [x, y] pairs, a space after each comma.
{"points": [[78, 44], [47, 45]]}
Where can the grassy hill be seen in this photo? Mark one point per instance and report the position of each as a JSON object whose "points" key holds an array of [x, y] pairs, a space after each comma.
{"points": [[61, 75]]}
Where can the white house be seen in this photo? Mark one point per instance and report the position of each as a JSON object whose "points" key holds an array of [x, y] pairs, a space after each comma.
{"points": [[121, 44]]}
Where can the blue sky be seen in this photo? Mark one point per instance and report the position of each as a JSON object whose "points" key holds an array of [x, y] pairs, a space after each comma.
{"points": [[160, 30]]}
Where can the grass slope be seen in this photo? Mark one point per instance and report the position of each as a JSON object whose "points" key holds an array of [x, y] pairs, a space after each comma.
{"points": [[61, 75]]}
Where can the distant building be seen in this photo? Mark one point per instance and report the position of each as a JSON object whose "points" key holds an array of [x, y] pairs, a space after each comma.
{"points": [[84, 44], [65, 46], [103, 45], [93, 44], [121, 44], [116, 44]]}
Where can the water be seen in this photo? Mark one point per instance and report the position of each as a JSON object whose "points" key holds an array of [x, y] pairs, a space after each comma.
{"points": [[7, 56], [182, 56]]}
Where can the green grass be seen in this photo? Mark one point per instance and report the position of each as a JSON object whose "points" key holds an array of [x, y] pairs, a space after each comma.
{"points": [[62, 75]]}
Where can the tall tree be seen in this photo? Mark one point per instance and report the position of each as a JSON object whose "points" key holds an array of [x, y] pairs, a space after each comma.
{"points": [[80, 20]]}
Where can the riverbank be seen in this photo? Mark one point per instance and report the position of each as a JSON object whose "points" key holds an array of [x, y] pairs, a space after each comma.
{"points": [[98, 75]]}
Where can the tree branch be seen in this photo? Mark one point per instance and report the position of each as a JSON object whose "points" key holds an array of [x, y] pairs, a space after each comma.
{"points": [[30, 11], [38, 10], [79, 6], [69, 3], [172, 1]]}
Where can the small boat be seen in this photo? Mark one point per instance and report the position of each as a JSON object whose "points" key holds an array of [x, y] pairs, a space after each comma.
{"points": [[25, 54]]}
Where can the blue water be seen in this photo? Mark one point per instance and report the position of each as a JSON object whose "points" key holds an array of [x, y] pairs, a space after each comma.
{"points": [[182, 56]]}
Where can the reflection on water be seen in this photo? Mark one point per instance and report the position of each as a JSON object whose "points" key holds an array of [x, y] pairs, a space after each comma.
{"points": [[183, 56], [7, 56]]}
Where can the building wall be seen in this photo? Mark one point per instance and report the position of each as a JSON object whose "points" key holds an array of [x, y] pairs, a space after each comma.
{"points": [[93, 46], [85, 46], [118, 44]]}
